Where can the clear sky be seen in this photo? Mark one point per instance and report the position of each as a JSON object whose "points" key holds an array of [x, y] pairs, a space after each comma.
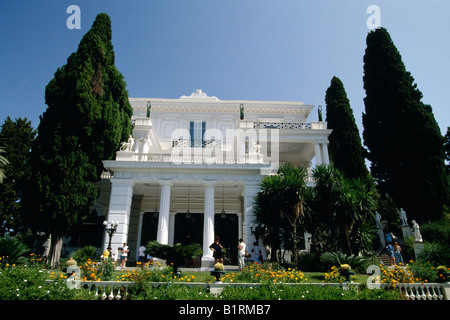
{"points": [[278, 50]]}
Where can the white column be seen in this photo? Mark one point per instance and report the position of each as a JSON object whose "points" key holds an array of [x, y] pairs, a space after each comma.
{"points": [[139, 234], [318, 153], [171, 227], [325, 157], [240, 222], [250, 191], [119, 210], [164, 209], [208, 226]]}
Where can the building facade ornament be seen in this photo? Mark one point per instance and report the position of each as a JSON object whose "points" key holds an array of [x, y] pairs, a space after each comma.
{"points": [[416, 231], [199, 94], [127, 146]]}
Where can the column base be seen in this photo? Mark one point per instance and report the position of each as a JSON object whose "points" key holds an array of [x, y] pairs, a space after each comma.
{"points": [[207, 264], [418, 248], [406, 231]]}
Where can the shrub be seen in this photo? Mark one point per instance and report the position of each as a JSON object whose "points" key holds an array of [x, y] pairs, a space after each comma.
{"points": [[396, 274], [13, 250], [345, 267], [28, 282], [334, 276], [336, 259], [305, 292], [174, 255], [308, 261], [84, 254], [423, 271], [257, 273], [219, 267], [436, 231], [436, 253]]}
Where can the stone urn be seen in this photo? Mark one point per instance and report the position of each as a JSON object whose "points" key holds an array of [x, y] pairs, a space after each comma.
{"points": [[346, 271], [218, 272]]}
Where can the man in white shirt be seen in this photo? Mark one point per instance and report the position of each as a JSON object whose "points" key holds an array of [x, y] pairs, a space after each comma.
{"points": [[141, 258], [241, 254]]}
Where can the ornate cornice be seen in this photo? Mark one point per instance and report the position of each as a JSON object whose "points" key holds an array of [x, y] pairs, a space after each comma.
{"points": [[212, 104]]}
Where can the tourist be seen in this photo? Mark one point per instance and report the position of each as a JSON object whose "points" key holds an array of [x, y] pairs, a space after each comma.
{"points": [[124, 255], [114, 256], [141, 252], [106, 254], [397, 253], [241, 254], [217, 249], [257, 252], [390, 252]]}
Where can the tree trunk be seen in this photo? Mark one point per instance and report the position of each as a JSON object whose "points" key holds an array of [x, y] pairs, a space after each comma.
{"points": [[55, 250], [347, 235]]}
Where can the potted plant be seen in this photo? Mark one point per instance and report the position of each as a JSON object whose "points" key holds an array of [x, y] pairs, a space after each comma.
{"points": [[218, 272], [70, 264], [346, 271]]}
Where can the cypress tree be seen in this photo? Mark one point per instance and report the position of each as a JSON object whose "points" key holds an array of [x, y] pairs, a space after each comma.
{"points": [[88, 115], [346, 151], [447, 149], [404, 142], [15, 137]]}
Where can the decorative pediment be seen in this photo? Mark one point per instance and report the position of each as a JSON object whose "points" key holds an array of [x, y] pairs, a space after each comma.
{"points": [[199, 94]]}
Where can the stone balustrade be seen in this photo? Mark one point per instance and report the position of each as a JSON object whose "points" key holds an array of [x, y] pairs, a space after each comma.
{"points": [[114, 290]]}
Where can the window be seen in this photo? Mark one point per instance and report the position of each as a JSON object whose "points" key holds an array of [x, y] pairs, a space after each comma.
{"points": [[197, 132]]}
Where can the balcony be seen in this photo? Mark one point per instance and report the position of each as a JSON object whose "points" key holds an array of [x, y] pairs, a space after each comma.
{"points": [[248, 124]]}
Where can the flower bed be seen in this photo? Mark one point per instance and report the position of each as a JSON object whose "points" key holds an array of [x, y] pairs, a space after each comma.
{"points": [[30, 281], [257, 273]]}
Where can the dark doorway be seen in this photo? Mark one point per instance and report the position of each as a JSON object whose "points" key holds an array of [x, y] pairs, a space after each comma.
{"points": [[227, 229], [149, 227], [188, 228]]}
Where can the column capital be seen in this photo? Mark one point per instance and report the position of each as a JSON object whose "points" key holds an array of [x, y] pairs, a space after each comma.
{"points": [[165, 182], [123, 181], [321, 140], [207, 183]]}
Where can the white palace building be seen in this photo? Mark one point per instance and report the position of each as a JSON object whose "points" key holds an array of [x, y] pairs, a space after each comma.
{"points": [[193, 165]]}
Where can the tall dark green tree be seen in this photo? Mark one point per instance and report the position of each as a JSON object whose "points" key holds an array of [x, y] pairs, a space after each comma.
{"points": [[88, 115], [345, 148], [404, 142], [447, 149], [15, 138]]}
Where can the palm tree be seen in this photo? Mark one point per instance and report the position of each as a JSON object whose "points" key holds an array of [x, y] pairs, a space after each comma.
{"points": [[280, 205], [327, 196], [267, 214], [342, 204], [364, 201]]}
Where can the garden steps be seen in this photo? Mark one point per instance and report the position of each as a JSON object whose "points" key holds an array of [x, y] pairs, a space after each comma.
{"points": [[384, 258]]}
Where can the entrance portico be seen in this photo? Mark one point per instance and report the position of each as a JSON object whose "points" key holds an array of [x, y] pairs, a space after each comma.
{"points": [[168, 192]]}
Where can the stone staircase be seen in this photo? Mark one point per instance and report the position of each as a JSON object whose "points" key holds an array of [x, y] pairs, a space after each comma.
{"points": [[384, 258]]}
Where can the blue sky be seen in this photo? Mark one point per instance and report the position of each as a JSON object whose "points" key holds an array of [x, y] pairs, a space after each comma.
{"points": [[278, 50]]}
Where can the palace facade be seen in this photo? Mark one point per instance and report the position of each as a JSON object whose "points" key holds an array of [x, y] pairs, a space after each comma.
{"points": [[192, 167]]}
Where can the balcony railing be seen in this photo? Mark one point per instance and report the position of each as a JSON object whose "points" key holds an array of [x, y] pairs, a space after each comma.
{"points": [[187, 143], [281, 125]]}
